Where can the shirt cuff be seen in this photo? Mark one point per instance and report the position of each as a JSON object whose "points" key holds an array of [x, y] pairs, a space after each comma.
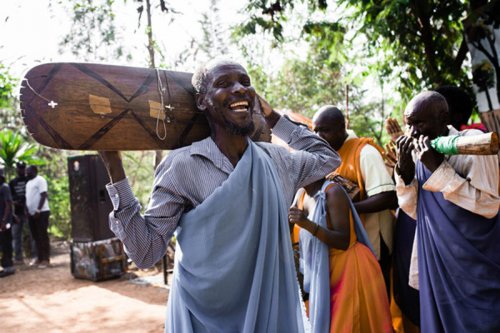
{"points": [[121, 194], [443, 179], [284, 129]]}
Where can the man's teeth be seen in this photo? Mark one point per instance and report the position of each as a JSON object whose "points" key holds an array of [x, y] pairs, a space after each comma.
{"points": [[239, 106]]}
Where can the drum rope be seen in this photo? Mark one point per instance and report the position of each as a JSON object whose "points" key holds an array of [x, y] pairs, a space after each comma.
{"points": [[50, 103], [163, 107]]}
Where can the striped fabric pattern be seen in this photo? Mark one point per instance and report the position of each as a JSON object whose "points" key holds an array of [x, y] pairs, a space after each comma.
{"points": [[187, 176]]}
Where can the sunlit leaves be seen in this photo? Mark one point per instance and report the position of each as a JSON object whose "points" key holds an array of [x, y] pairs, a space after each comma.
{"points": [[13, 148], [7, 83]]}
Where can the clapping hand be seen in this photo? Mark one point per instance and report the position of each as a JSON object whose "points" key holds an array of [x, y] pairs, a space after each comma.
{"points": [[393, 129], [390, 155]]}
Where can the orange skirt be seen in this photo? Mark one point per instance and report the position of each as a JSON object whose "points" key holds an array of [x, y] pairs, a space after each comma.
{"points": [[358, 299]]}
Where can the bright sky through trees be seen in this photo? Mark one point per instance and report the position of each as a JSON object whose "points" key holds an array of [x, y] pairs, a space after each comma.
{"points": [[32, 29]]}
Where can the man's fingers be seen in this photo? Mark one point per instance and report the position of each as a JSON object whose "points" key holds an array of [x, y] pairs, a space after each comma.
{"points": [[422, 143], [405, 144], [265, 107]]}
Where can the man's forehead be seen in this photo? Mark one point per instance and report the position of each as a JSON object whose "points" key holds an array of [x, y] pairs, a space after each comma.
{"points": [[326, 119], [226, 68], [414, 108], [407, 113]]}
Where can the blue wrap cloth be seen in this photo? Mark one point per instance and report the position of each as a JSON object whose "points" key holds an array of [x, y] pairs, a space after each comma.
{"points": [[234, 268], [458, 264]]}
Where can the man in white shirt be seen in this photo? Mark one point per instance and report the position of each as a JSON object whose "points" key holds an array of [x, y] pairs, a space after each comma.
{"points": [[37, 207]]}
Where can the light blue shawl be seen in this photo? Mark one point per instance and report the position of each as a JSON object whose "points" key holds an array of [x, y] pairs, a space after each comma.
{"points": [[315, 263], [234, 269]]}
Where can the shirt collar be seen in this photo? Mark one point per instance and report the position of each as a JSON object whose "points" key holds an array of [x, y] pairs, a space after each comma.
{"points": [[209, 150]]}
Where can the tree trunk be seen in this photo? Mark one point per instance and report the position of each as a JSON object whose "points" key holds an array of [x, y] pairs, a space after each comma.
{"points": [[488, 98], [421, 10], [152, 63], [149, 31]]}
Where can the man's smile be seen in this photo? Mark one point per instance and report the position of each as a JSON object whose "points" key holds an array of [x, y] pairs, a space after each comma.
{"points": [[240, 106]]}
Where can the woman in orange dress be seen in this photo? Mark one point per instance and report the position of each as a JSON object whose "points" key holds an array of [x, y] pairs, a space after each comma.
{"points": [[341, 274]]}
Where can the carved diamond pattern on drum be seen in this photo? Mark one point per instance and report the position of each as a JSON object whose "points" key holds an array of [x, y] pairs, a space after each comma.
{"points": [[74, 124]]}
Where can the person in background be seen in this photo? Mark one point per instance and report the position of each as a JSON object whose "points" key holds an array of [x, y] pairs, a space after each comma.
{"points": [[405, 304], [362, 163], [5, 227], [459, 108], [346, 288], [37, 207], [20, 222], [455, 201]]}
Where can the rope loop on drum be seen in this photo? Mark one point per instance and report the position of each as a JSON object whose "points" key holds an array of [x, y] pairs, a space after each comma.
{"points": [[50, 102], [163, 107]]}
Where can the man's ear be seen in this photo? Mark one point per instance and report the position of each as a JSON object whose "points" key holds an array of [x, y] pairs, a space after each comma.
{"points": [[200, 101]]}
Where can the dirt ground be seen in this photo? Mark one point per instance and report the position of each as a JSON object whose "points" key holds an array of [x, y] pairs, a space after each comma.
{"points": [[51, 300]]}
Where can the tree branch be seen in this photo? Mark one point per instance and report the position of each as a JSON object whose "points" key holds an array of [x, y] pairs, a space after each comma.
{"points": [[461, 54], [425, 29]]}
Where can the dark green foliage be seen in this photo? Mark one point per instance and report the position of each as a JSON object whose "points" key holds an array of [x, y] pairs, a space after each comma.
{"points": [[421, 40], [424, 37]]}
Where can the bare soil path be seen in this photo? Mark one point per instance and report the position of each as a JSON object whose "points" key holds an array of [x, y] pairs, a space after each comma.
{"points": [[51, 300]]}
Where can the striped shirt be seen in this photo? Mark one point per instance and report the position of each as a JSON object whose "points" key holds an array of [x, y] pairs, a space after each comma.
{"points": [[187, 176]]}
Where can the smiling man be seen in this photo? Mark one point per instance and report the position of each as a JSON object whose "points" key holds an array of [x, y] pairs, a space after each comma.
{"points": [[227, 198]]}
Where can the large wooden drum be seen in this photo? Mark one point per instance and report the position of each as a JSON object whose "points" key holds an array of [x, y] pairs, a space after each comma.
{"points": [[105, 107]]}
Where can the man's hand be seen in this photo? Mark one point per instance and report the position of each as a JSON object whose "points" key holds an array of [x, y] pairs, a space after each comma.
{"points": [[3, 224], [269, 114], [405, 166], [265, 108], [393, 129], [428, 155], [390, 155], [113, 163], [297, 216]]}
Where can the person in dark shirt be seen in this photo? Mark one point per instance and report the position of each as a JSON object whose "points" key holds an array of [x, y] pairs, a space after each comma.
{"points": [[18, 190], [5, 230]]}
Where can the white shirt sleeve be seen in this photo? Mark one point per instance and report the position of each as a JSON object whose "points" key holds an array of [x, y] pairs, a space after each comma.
{"points": [[407, 195], [374, 172], [470, 182]]}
